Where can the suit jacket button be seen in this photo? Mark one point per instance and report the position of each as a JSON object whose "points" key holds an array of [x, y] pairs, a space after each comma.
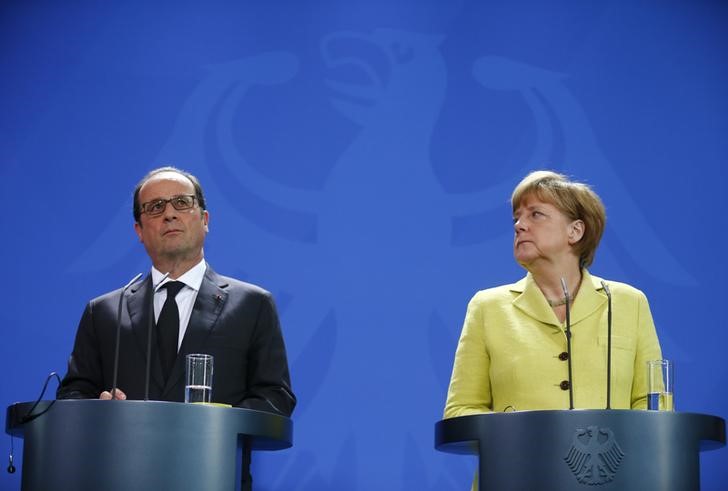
{"points": [[564, 356], [564, 385]]}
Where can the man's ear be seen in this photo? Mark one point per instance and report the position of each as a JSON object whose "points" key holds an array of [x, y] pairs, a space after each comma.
{"points": [[138, 230], [206, 220]]}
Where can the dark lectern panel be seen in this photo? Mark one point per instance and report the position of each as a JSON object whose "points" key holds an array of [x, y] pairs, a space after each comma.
{"points": [[125, 445], [613, 450]]}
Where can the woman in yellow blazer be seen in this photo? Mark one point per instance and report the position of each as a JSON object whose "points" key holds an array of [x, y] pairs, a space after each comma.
{"points": [[512, 353]]}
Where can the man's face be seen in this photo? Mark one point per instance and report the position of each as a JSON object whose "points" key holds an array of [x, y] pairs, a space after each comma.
{"points": [[174, 235]]}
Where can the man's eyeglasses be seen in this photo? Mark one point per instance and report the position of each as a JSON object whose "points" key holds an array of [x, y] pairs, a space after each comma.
{"points": [[180, 203]]}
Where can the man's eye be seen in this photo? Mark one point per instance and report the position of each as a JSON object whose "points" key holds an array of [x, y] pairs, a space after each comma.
{"points": [[156, 206], [184, 202]]}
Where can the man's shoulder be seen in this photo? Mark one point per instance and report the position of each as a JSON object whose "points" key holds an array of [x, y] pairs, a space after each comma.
{"points": [[235, 285], [112, 296]]}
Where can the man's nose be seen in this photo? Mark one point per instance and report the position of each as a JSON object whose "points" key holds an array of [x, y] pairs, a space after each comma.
{"points": [[170, 212]]}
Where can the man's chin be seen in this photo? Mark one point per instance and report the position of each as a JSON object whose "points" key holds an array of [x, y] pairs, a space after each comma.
{"points": [[175, 253]]}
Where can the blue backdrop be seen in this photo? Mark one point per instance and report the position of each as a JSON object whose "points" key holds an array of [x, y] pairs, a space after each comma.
{"points": [[358, 158]]}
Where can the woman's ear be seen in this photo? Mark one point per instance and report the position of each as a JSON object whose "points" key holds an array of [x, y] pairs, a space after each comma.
{"points": [[576, 231]]}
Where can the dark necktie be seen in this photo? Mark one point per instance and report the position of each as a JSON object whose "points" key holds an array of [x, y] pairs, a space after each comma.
{"points": [[168, 328]]}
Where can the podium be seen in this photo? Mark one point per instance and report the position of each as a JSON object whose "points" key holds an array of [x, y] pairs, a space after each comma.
{"points": [[139, 445], [584, 449]]}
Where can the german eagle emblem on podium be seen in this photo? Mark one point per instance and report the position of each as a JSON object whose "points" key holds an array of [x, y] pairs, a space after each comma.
{"points": [[594, 456]]}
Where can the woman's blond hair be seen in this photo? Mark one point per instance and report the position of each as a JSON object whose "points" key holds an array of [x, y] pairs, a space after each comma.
{"points": [[576, 200]]}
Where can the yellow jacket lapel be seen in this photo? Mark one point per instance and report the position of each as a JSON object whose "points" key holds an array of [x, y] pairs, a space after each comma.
{"points": [[532, 302], [589, 298]]}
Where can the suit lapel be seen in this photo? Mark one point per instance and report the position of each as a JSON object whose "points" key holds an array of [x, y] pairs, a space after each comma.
{"points": [[139, 305], [205, 313]]}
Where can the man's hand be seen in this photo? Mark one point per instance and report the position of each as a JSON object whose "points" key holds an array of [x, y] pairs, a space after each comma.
{"points": [[106, 395]]}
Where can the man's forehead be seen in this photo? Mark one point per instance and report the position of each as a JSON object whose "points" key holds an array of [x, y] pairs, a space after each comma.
{"points": [[166, 179]]}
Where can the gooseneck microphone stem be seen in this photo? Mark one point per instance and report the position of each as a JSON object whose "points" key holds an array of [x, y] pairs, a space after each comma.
{"points": [[609, 344], [118, 335], [150, 327], [568, 340]]}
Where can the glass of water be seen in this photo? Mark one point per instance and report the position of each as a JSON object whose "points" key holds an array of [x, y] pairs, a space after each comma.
{"points": [[198, 384], [660, 384]]}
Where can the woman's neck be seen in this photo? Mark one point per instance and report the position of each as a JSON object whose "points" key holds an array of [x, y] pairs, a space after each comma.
{"points": [[549, 282]]}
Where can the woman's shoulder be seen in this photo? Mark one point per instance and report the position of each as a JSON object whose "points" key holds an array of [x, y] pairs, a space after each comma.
{"points": [[617, 288], [499, 293]]}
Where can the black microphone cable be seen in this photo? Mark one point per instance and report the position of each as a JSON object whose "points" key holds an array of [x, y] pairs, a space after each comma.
{"points": [[29, 416]]}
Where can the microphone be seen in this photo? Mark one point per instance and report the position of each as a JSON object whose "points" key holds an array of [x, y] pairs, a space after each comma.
{"points": [[609, 343], [118, 334], [568, 340], [11, 465], [150, 326]]}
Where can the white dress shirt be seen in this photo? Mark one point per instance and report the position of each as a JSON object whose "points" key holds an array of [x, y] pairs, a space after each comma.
{"points": [[185, 298]]}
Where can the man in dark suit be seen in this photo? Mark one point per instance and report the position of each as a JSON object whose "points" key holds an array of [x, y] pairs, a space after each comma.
{"points": [[236, 322]]}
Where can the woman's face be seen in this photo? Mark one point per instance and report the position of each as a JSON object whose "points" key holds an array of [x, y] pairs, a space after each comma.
{"points": [[543, 233]]}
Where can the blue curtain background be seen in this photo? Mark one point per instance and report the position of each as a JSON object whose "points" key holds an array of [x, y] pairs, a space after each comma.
{"points": [[358, 157]]}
